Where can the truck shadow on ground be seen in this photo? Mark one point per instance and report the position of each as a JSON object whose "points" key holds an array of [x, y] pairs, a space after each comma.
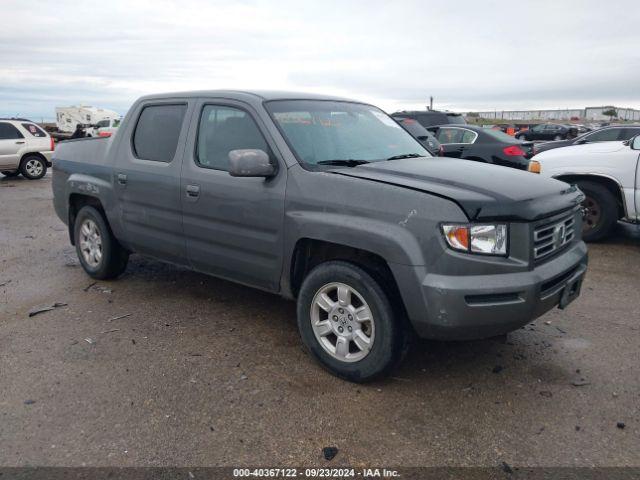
{"points": [[270, 323]]}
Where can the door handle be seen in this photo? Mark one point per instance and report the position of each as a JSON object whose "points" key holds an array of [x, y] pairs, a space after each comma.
{"points": [[193, 191], [20, 142], [122, 179]]}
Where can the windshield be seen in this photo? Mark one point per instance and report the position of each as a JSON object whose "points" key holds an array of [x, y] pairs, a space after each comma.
{"points": [[322, 131]]}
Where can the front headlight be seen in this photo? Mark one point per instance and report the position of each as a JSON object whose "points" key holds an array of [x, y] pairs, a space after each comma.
{"points": [[483, 239]]}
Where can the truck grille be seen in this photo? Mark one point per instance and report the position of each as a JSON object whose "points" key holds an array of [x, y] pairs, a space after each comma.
{"points": [[552, 237]]}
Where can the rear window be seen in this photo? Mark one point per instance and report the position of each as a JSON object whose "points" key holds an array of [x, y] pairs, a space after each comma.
{"points": [[157, 132], [500, 136], [33, 130]]}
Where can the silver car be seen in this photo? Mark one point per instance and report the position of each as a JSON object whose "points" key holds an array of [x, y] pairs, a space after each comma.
{"points": [[25, 149]]}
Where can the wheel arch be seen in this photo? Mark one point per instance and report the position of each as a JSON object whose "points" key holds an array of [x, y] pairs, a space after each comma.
{"points": [[33, 154], [310, 252], [608, 182], [76, 202]]}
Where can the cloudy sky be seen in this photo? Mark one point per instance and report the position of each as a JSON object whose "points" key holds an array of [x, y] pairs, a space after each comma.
{"points": [[468, 54]]}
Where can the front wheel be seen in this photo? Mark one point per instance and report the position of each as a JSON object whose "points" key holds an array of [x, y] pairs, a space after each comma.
{"points": [[601, 211], [348, 323], [557, 137], [100, 254], [33, 167]]}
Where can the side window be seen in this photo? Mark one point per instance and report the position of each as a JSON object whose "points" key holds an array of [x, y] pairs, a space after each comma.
{"points": [[607, 135], [157, 132], [223, 129], [9, 132], [467, 136], [447, 135], [455, 135], [33, 130], [628, 133]]}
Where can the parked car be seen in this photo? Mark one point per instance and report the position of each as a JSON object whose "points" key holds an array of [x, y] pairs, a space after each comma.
{"points": [[470, 142], [547, 131], [329, 202], [25, 149], [609, 175], [428, 118], [106, 127], [581, 128], [606, 134], [424, 136]]}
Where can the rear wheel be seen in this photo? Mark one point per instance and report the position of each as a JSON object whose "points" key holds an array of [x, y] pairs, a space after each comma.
{"points": [[33, 167], [601, 211], [11, 174], [100, 254], [557, 137], [347, 322]]}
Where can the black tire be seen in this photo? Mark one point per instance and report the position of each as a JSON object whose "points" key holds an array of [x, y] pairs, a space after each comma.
{"points": [[27, 171], [114, 257], [11, 174], [599, 199], [390, 341]]}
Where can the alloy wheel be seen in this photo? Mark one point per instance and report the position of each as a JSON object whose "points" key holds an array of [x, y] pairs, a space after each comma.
{"points": [[342, 322], [91, 243], [34, 167], [592, 214]]}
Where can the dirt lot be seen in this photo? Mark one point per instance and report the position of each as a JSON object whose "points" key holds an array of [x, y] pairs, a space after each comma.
{"points": [[205, 372]]}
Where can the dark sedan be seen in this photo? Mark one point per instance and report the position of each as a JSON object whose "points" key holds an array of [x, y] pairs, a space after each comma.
{"points": [[548, 131], [483, 145], [606, 134]]}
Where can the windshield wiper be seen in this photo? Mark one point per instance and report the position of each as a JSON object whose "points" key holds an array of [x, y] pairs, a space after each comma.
{"points": [[405, 155], [350, 162]]}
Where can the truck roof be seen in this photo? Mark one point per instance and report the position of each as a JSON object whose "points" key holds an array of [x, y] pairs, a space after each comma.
{"points": [[249, 95]]}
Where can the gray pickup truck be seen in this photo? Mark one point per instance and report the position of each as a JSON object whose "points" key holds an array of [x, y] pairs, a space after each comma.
{"points": [[331, 203]]}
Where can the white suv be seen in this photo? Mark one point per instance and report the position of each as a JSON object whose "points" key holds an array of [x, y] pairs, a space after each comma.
{"points": [[25, 149]]}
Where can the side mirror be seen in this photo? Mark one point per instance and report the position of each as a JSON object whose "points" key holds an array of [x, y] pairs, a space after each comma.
{"points": [[250, 163], [635, 143]]}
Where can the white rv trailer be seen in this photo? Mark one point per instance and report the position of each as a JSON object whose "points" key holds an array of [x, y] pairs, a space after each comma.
{"points": [[92, 118]]}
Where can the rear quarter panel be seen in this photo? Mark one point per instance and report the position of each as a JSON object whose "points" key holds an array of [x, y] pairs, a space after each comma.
{"points": [[83, 167]]}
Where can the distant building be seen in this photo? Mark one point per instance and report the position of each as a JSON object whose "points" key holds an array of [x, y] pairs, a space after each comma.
{"points": [[587, 114]]}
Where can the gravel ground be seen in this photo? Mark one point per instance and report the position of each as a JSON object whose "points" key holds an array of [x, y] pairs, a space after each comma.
{"points": [[205, 372]]}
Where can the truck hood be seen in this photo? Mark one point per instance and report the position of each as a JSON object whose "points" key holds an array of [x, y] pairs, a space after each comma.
{"points": [[484, 192]]}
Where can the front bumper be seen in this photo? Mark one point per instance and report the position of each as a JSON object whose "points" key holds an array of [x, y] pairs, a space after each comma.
{"points": [[479, 306]]}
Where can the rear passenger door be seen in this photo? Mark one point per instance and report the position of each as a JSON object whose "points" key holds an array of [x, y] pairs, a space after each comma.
{"points": [[233, 225], [455, 141], [11, 141], [146, 179]]}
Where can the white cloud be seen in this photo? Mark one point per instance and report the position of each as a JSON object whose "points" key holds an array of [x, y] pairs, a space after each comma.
{"points": [[468, 54]]}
